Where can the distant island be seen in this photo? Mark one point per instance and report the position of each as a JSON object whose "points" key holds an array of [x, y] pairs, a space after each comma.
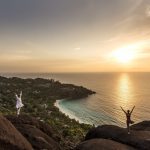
{"points": [[39, 96]]}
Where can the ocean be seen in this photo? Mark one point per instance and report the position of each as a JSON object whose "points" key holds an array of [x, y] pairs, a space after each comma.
{"points": [[112, 91]]}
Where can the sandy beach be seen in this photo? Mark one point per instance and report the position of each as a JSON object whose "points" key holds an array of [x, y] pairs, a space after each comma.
{"points": [[67, 112]]}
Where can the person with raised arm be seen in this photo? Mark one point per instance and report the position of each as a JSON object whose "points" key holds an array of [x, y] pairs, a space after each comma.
{"points": [[128, 116], [19, 103]]}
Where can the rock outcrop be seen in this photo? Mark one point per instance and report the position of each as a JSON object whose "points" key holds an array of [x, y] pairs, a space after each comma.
{"points": [[27, 133], [39, 134], [144, 125], [102, 144], [11, 138], [138, 139]]}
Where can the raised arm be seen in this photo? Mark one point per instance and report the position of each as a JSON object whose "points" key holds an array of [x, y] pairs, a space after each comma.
{"points": [[20, 94], [123, 110], [132, 109]]}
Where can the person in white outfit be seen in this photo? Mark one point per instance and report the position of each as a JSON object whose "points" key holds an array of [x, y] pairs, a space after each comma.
{"points": [[19, 103]]}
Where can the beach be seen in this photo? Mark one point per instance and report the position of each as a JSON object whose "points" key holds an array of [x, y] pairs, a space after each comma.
{"points": [[64, 111]]}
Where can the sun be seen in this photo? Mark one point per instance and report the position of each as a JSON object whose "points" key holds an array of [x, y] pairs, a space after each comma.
{"points": [[125, 55]]}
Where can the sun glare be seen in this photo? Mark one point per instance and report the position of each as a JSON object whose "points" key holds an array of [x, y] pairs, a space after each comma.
{"points": [[126, 54]]}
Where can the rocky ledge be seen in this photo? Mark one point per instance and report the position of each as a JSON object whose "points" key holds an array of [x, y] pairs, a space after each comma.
{"points": [[11, 138], [109, 137], [40, 135], [28, 133]]}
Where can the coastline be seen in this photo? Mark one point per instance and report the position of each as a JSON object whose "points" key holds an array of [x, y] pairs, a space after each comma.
{"points": [[67, 113], [39, 92]]}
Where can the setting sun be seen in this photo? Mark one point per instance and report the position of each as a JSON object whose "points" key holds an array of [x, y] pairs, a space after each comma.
{"points": [[126, 54]]}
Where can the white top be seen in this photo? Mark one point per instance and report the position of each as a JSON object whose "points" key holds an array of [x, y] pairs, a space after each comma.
{"points": [[19, 103]]}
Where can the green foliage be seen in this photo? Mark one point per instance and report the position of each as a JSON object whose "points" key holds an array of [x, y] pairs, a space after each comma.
{"points": [[39, 96]]}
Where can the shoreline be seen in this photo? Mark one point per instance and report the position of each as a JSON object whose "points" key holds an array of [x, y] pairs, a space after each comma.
{"points": [[39, 92], [67, 113]]}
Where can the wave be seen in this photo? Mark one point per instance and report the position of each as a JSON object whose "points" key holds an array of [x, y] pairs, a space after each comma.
{"points": [[68, 113]]}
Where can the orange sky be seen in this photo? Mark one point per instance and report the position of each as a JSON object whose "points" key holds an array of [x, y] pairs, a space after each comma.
{"points": [[74, 36]]}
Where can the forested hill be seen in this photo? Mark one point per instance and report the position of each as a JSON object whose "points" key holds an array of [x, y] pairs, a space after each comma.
{"points": [[39, 96], [37, 91]]}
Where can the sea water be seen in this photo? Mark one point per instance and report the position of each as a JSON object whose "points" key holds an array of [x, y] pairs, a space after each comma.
{"points": [[112, 91]]}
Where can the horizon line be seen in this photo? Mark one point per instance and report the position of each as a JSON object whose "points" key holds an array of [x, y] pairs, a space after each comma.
{"points": [[74, 72]]}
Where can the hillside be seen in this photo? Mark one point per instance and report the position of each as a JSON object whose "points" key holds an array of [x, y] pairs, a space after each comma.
{"points": [[39, 96]]}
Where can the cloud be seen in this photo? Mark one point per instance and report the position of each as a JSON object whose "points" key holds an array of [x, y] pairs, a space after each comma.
{"points": [[77, 48], [147, 12], [24, 52], [13, 57]]}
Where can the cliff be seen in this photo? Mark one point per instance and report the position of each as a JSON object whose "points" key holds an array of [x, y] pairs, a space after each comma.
{"points": [[109, 137]]}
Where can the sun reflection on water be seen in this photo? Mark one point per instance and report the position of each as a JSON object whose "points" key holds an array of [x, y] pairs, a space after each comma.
{"points": [[125, 91], [124, 88]]}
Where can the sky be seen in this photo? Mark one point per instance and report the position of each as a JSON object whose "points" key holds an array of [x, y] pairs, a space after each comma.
{"points": [[74, 35]]}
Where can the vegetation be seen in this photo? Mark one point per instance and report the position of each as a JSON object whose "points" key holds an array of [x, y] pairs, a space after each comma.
{"points": [[39, 96]]}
